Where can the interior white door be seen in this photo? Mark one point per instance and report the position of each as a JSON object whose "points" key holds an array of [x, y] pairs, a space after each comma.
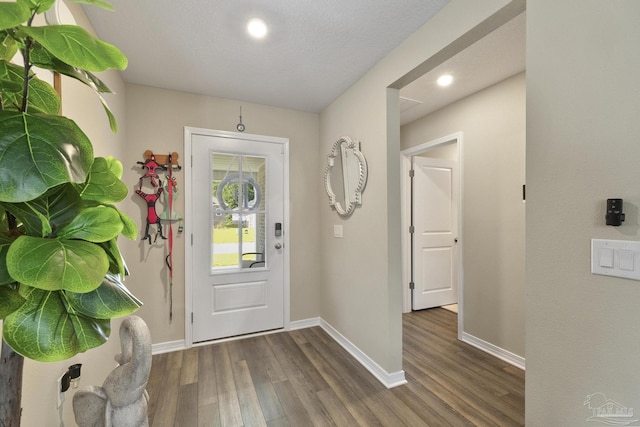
{"points": [[435, 221], [238, 243]]}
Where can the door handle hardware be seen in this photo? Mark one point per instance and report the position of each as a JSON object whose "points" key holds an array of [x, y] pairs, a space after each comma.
{"points": [[278, 246]]}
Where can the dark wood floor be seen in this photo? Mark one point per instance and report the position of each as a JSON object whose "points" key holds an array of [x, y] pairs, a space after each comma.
{"points": [[304, 378]]}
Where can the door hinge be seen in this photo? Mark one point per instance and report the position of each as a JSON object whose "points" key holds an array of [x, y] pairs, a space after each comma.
{"points": [[191, 239], [191, 161], [412, 285], [192, 317], [412, 173], [412, 229]]}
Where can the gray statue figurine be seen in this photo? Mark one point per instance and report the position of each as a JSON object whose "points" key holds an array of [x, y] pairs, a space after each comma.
{"points": [[122, 399]]}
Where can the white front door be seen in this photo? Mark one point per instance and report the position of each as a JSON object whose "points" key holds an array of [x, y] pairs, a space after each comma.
{"points": [[237, 207], [435, 221]]}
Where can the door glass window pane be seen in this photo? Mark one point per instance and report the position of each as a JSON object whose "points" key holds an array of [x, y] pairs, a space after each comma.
{"points": [[239, 215]]}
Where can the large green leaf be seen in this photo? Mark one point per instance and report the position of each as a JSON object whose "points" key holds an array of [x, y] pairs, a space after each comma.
{"points": [[38, 152], [130, 229], [57, 264], [102, 185], [47, 329], [115, 166], [10, 91], [113, 124], [13, 14], [42, 97], [96, 224], [116, 263], [111, 299], [8, 47], [10, 300], [40, 6], [52, 211], [5, 277], [33, 221], [76, 47], [42, 58], [44, 5]]}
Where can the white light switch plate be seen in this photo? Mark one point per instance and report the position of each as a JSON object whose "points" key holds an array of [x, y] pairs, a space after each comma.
{"points": [[619, 258], [337, 231]]}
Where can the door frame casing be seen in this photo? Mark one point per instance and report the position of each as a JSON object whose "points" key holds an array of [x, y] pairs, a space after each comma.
{"points": [[188, 227], [405, 167]]}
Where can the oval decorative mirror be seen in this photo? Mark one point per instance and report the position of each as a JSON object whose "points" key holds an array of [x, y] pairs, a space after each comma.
{"points": [[345, 176]]}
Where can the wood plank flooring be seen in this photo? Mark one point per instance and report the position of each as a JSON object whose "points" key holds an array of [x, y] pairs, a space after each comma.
{"points": [[304, 378]]}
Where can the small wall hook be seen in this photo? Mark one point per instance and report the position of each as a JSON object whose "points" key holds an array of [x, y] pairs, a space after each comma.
{"points": [[240, 126]]}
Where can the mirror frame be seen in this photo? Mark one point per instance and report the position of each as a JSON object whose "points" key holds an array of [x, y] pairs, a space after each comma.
{"points": [[362, 176]]}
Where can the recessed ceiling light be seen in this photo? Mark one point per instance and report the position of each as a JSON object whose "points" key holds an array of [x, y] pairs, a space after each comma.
{"points": [[257, 28], [445, 80]]}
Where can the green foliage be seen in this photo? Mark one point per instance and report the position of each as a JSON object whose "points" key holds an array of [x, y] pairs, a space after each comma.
{"points": [[42, 97], [103, 185], [40, 152], [13, 14], [47, 328], [76, 47], [60, 266], [230, 194]]}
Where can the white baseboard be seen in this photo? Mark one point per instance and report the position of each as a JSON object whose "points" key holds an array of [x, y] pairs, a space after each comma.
{"points": [[167, 347], [305, 323], [494, 350], [387, 379]]}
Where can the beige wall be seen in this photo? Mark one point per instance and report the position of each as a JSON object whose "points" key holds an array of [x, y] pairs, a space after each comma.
{"points": [[582, 148], [362, 288], [493, 125], [156, 119]]}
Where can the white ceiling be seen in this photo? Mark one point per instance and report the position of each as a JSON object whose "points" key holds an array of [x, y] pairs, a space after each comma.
{"points": [[316, 49], [499, 55]]}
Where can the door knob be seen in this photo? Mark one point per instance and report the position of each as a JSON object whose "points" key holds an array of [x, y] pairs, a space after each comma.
{"points": [[278, 246]]}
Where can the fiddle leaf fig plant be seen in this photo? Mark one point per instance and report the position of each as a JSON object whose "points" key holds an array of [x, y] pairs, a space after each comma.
{"points": [[61, 271]]}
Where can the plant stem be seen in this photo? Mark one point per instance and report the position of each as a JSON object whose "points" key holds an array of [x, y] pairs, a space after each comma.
{"points": [[25, 86], [11, 364], [26, 57]]}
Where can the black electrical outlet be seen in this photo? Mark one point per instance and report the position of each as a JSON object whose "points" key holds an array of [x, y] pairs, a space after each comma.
{"points": [[72, 373]]}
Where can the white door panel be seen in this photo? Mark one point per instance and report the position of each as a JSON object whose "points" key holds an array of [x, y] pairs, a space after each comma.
{"points": [[237, 259], [435, 232]]}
